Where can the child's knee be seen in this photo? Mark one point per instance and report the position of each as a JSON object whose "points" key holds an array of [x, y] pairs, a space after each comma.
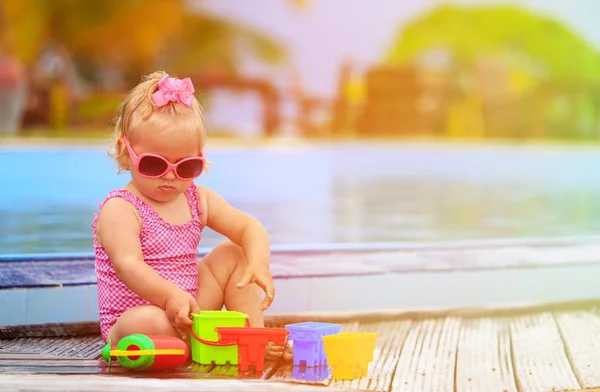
{"points": [[156, 318], [234, 256], [222, 261], [145, 319], [228, 252]]}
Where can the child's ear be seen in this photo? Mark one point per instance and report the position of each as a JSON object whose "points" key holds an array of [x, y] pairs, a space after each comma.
{"points": [[125, 159]]}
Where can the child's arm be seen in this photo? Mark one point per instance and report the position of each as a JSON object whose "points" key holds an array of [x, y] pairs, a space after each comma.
{"points": [[246, 232], [118, 232]]}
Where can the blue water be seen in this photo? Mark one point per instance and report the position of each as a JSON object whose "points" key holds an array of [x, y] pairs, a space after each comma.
{"points": [[319, 194]]}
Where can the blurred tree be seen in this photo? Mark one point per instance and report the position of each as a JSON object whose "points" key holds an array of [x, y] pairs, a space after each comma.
{"points": [[519, 38], [134, 36]]}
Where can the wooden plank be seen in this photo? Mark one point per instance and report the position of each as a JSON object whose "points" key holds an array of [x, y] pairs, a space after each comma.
{"points": [[27, 357], [278, 320], [79, 347], [41, 363], [45, 365], [374, 316], [102, 383], [580, 332], [226, 370], [85, 347], [416, 355], [483, 362], [48, 370], [50, 330], [390, 339], [233, 371], [38, 363], [539, 358], [33, 345], [194, 367], [384, 367], [427, 360]]}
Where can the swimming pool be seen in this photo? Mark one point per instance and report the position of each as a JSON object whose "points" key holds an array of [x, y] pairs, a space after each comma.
{"points": [[323, 193]]}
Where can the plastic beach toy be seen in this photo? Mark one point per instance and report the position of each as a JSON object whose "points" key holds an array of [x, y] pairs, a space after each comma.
{"points": [[308, 343], [349, 354], [207, 347], [312, 373], [147, 352], [251, 344]]}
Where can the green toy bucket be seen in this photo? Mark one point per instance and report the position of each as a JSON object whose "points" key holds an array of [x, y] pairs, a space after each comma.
{"points": [[206, 346]]}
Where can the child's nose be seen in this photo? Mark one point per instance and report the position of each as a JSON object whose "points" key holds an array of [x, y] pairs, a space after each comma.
{"points": [[170, 175]]}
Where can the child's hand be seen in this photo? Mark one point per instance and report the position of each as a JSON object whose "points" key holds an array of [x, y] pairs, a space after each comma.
{"points": [[178, 308], [274, 352], [261, 275]]}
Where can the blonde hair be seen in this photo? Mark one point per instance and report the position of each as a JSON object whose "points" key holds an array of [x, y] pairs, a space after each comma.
{"points": [[137, 107]]}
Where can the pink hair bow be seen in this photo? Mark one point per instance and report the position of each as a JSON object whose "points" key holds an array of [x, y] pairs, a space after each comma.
{"points": [[174, 90]]}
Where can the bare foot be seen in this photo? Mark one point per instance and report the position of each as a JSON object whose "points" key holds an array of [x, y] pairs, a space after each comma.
{"points": [[284, 353]]}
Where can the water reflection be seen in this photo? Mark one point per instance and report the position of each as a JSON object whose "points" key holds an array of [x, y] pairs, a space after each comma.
{"points": [[428, 196], [441, 209]]}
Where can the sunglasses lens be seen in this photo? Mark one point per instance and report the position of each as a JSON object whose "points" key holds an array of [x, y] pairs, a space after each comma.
{"points": [[190, 169], [152, 166]]}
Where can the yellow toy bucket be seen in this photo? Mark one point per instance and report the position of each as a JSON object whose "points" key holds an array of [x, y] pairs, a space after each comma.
{"points": [[206, 345], [349, 353]]}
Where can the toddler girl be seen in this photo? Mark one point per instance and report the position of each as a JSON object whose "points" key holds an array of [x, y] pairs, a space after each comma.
{"points": [[146, 235]]}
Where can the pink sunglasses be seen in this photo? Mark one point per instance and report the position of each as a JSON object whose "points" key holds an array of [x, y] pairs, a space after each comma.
{"points": [[155, 166]]}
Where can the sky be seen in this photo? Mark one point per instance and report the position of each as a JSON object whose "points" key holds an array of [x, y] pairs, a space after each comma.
{"points": [[319, 37]]}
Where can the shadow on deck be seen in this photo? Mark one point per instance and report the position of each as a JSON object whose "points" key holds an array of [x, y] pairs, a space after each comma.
{"points": [[552, 347]]}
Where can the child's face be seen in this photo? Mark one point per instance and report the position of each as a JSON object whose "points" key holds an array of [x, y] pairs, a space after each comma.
{"points": [[173, 146]]}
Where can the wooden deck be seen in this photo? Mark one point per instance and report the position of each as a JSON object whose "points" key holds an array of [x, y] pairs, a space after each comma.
{"points": [[538, 348]]}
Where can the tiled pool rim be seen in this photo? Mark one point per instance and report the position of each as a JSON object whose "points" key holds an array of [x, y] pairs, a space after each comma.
{"points": [[346, 259], [395, 276]]}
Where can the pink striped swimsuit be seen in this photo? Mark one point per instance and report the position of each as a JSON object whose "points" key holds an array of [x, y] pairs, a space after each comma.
{"points": [[169, 249]]}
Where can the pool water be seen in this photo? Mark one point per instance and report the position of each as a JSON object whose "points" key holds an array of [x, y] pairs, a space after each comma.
{"points": [[324, 193]]}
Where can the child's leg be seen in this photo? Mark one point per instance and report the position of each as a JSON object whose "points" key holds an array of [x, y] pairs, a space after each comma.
{"points": [[144, 319], [220, 271]]}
